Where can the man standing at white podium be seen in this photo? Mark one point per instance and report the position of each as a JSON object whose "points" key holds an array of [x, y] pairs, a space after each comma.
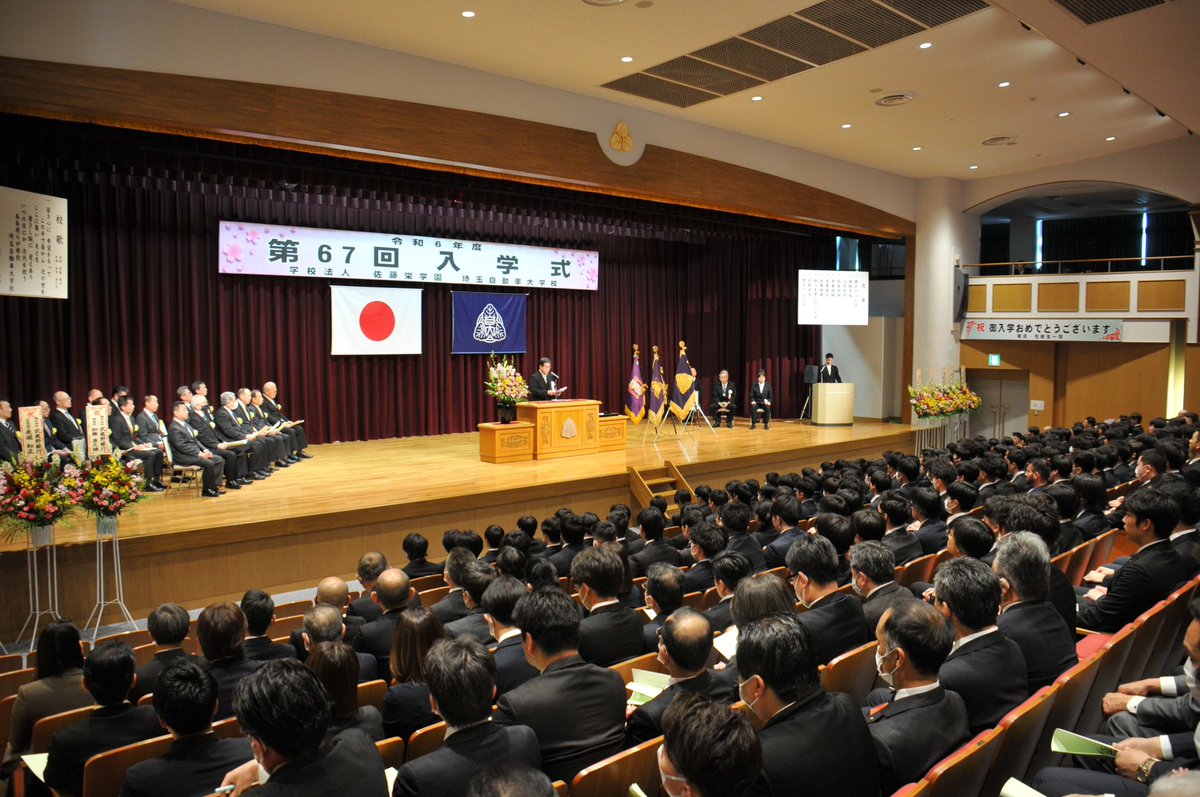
{"points": [[829, 371]]}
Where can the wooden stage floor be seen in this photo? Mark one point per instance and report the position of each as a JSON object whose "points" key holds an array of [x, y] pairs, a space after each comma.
{"points": [[358, 496]]}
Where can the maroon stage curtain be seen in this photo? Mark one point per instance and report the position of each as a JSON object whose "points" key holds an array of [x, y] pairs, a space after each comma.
{"points": [[148, 309]]}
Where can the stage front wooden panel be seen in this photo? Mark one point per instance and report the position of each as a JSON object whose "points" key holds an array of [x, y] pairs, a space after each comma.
{"points": [[613, 431], [506, 442], [564, 428]]}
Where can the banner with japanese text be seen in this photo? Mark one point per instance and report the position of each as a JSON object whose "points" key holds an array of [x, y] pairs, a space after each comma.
{"points": [[489, 323], [98, 434], [285, 251], [33, 435], [1045, 328]]}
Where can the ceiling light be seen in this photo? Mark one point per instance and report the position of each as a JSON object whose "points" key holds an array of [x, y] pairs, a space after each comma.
{"points": [[1004, 84], [846, 126], [1064, 114], [924, 45], [972, 167], [756, 98], [625, 59], [468, 14], [1111, 138], [916, 149]]}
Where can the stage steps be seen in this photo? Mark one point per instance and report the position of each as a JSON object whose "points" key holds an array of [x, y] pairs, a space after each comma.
{"points": [[661, 482]]}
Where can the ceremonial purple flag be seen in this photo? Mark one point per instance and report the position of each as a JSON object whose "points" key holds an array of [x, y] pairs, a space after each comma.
{"points": [[683, 391], [658, 391], [635, 391]]}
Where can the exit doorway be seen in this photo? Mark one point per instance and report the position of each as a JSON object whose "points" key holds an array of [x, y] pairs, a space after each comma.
{"points": [[1005, 407]]}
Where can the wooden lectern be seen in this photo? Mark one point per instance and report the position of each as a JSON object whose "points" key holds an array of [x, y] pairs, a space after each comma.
{"points": [[833, 404], [562, 428]]}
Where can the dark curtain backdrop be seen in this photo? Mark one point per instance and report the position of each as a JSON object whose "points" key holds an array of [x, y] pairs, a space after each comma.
{"points": [[1093, 237], [149, 310]]}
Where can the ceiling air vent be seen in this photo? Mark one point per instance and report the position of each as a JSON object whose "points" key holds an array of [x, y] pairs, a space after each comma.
{"points": [[892, 100], [999, 141], [1093, 11]]}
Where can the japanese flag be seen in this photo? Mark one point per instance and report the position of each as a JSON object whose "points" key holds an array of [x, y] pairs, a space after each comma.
{"points": [[375, 320]]}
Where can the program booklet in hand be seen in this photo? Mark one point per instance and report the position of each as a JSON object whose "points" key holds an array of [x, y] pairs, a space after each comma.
{"points": [[1074, 744]]}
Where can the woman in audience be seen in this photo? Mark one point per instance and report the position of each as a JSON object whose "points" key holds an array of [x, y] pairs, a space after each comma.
{"points": [[753, 598], [336, 666], [58, 688], [406, 705], [629, 594]]}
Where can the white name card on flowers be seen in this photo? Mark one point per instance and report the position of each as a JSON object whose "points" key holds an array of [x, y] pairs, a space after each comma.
{"points": [[1106, 330], [286, 251], [33, 436], [33, 244], [98, 435]]}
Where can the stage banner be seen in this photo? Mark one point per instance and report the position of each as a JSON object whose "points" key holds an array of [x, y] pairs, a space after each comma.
{"points": [[33, 244], [1045, 328], [274, 251], [375, 320], [658, 391], [683, 389], [33, 434], [99, 440], [635, 391], [488, 323]]}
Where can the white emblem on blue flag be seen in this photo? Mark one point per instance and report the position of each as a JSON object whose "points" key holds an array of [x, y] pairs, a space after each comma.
{"points": [[489, 326]]}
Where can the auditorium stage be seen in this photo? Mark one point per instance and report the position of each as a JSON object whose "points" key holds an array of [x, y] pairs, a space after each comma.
{"points": [[315, 518]]}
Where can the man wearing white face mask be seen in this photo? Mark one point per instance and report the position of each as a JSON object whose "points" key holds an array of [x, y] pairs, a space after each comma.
{"points": [[872, 566], [835, 620], [707, 750], [923, 721], [804, 728]]}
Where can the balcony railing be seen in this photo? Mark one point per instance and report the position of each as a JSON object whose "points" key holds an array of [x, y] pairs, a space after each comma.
{"points": [[1110, 265]]}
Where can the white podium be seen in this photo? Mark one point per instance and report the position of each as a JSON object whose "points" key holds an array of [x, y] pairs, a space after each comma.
{"points": [[833, 404]]}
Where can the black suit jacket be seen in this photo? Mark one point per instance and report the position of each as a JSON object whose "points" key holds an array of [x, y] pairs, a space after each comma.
{"points": [[261, 648], [1187, 545], [539, 386], [10, 445], [595, 697], [450, 608], [726, 392], [228, 672], [122, 432], [699, 577], [748, 546], [933, 535], [66, 430], [914, 733], [829, 373], [1046, 641], [1091, 525], [406, 709], [365, 608], [562, 558], [147, 674], [194, 767], [989, 674], [761, 393], [800, 742], [230, 426], [421, 568], [148, 428], [448, 770], [273, 411], [646, 722], [610, 634], [882, 599], [471, 624], [186, 447], [775, 554], [375, 638], [655, 551], [348, 764], [837, 624], [905, 546], [721, 615], [1149, 576], [512, 668], [104, 729]]}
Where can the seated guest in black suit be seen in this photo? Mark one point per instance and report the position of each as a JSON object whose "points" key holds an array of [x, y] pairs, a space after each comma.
{"points": [[499, 606], [232, 428], [685, 643], [149, 427], [984, 667], [124, 437], [897, 512], [1093, 500], [610, 632], [108, 675], [761, 398], [785, 514], [528, 525], [259, 609], [475, 582], [271, 405], [168, 627], [187, 449], [707, 541], [285, 712], [67, 428], [393, 594], [50, 434], [923, 721], [295, 441], [572, 531], [184, 700], [256, 420], [735, 519], [652, 523], [462, 686], [729, 568], [406, 704], [872, 574], [723, 406], [712, 750], [221, 632], [416, 548], [236, 458], [1026, 616], [511, 561], [1151, 573], [664, 594], [804, 728], [332, 591], [972, 537], [927, 517], [594, 696], [1185, 539], [336, 666], [1066, 504], [370, 565], [836, 527], [454, 606], [324, 623], [834, 620]]}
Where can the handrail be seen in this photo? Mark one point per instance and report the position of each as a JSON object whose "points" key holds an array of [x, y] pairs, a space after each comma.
{"points": [[1103, 265]]}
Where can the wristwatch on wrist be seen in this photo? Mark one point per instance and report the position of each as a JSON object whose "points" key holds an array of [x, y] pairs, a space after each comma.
{"points": [[1143, 771]]}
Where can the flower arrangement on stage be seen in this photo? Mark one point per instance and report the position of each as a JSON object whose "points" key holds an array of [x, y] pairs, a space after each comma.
{"points": [[940, 401], [504, 383], [38, 494], [110, 486]]}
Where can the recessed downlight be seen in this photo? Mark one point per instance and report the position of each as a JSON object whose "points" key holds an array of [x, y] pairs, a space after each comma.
{"points": [[847, 126], [916, 149], [756, 98], [1004, 84], [924, 45], [625, 59], [1063, 114], [468, 14], [1111, 138], [973, 167]]}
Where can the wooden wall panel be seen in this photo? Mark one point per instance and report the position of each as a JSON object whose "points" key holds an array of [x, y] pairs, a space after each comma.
{"points": [[1058, 297], [1107, 379], [1158, 296], [421, 136], [1107, 297], [977, 299], [1016, 298]]}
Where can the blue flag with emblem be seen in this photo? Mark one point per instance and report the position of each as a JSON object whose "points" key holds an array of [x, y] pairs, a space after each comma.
{"points": [[489, 323]]}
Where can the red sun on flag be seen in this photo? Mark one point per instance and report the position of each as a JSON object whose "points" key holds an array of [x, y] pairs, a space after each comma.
{"points": [[377, 321]]}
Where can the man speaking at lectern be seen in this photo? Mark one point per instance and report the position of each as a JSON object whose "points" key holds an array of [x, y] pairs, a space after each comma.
{"points": [[829, 371], [543, 384]]}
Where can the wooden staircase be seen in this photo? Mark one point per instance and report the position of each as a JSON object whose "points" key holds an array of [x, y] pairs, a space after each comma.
{"points": [[657, 482]]}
